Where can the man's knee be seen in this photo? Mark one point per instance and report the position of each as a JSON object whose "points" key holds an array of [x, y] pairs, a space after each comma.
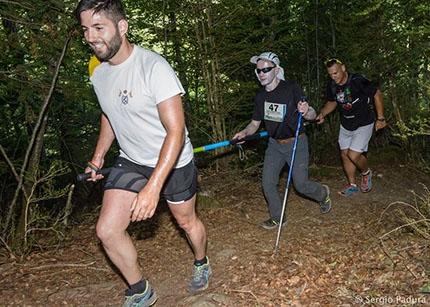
{"points": [[187, 222], [354, 156], [104, 231], [299, 188], [344, 153], [300, 185]]}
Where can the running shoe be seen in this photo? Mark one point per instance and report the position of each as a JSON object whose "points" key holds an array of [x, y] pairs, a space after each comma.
{"points": [[145, 299], [271, 224], [200, 279], [325, 204], [348, 190], [366, 182]]}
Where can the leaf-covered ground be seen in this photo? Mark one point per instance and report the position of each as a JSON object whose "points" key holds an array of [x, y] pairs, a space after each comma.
{"points": [[338, 259]]}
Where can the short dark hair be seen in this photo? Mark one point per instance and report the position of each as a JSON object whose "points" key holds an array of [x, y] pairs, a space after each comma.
{"points": [[331, 61], [113, 9]]}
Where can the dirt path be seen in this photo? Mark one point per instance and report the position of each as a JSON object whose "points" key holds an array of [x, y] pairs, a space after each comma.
{"points": [[327, 260]]}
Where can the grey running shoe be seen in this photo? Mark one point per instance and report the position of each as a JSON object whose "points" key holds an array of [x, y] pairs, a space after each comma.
{"points": [[325, 204], [145, 299], [271, 224], [200, 279]]}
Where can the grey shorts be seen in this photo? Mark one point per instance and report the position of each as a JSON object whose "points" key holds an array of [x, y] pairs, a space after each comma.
{"points": [[179, 187], [357, 140]]}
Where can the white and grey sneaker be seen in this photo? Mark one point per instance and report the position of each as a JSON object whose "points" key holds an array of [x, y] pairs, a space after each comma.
{"points": [[325, 204], [271, 224], [145, 299], [200, 279]]}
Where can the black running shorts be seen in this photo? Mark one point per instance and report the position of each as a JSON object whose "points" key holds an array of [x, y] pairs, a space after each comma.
{"points": [[179, 187]]}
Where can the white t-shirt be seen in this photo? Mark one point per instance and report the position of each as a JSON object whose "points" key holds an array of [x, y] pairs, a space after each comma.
{"points": [[128, 94]]}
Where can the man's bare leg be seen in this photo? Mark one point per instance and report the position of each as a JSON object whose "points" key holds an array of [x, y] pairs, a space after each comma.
{"points": [[111, 229], [185, 215], [359, 160], [351, 161], [348, 166]]}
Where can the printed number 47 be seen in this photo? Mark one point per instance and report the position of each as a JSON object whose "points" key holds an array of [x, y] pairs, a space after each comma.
{"points": [[273, 108]]}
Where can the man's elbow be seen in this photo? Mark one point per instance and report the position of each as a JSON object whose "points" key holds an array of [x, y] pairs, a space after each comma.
{"points": [[378, 95], [179, 136]]}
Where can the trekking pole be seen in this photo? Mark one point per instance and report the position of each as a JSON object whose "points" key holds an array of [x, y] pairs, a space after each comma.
{"points": [[230, 142], [106, 171], [288, 180]]}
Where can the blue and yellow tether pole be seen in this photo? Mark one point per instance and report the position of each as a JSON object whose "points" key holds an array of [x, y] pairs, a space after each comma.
{"points": [[106, 171], [230, 142]]}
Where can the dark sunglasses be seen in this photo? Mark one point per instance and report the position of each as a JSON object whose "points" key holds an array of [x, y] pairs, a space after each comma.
{"points": [[264, 70]]}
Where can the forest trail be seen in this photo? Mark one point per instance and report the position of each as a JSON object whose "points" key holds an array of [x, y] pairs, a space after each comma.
{"points": [[337, 259]]}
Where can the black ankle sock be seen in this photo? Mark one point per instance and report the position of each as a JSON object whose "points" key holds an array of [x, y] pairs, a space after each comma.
{"points": [[138, 287], [201, 262]]}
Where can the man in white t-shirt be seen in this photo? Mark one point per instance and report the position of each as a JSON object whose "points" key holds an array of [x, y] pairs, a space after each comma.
{"points": [[140, 96]]}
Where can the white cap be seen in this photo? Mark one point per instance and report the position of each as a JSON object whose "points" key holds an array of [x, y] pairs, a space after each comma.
{"points": [[269, 56]]}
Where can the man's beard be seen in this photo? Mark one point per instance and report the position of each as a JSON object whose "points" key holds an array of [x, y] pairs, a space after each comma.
{"points": [[112, 47]]}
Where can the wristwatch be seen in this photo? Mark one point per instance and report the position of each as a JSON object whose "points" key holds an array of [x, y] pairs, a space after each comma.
{"points": [[382, 119]]}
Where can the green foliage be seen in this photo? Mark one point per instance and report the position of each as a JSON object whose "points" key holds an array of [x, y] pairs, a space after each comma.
{"points": [[385, 40], [425, 288], [42, 215], [418, 126], [33, 34], [389, 155], [417, 215]]}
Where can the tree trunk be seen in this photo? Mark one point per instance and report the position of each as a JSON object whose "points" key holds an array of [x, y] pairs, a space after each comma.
{"points": [[211, 72], [28, 183], [391, 81], [317, 56], [333, 31], [165, 29], [177, 43], [31, 155]]}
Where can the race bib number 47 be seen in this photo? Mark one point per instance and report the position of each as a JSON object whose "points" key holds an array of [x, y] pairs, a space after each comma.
{"points": [[274, 111]]}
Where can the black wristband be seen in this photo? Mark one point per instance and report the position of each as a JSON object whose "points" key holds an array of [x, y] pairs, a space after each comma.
{"points": [[382, 119]]}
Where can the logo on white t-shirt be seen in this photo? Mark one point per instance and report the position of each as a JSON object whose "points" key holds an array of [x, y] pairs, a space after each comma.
{"points": [[124, 96]]}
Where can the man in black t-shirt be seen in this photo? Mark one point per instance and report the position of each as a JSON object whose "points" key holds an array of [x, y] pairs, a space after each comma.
{"points": [[278, 104], [353, 94]]}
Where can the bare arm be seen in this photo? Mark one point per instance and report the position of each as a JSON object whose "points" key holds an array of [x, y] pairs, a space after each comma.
{"points": [[307, 111], [250, 129], [106, 137], [379, 106], [310, 114], [172, 118], [329, 107]]}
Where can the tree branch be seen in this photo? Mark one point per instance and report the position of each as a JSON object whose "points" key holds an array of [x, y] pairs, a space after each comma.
{"points": [[43, 110]]}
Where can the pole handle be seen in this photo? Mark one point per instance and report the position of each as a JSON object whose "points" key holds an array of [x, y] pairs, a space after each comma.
{"points": [[85, 176], [249, 137]]}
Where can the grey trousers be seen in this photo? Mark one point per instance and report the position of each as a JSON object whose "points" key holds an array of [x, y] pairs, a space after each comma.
{"points": [[277, 155]]}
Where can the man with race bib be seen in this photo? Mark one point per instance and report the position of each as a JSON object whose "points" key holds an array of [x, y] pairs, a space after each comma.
{"points": [[278, 103]]}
